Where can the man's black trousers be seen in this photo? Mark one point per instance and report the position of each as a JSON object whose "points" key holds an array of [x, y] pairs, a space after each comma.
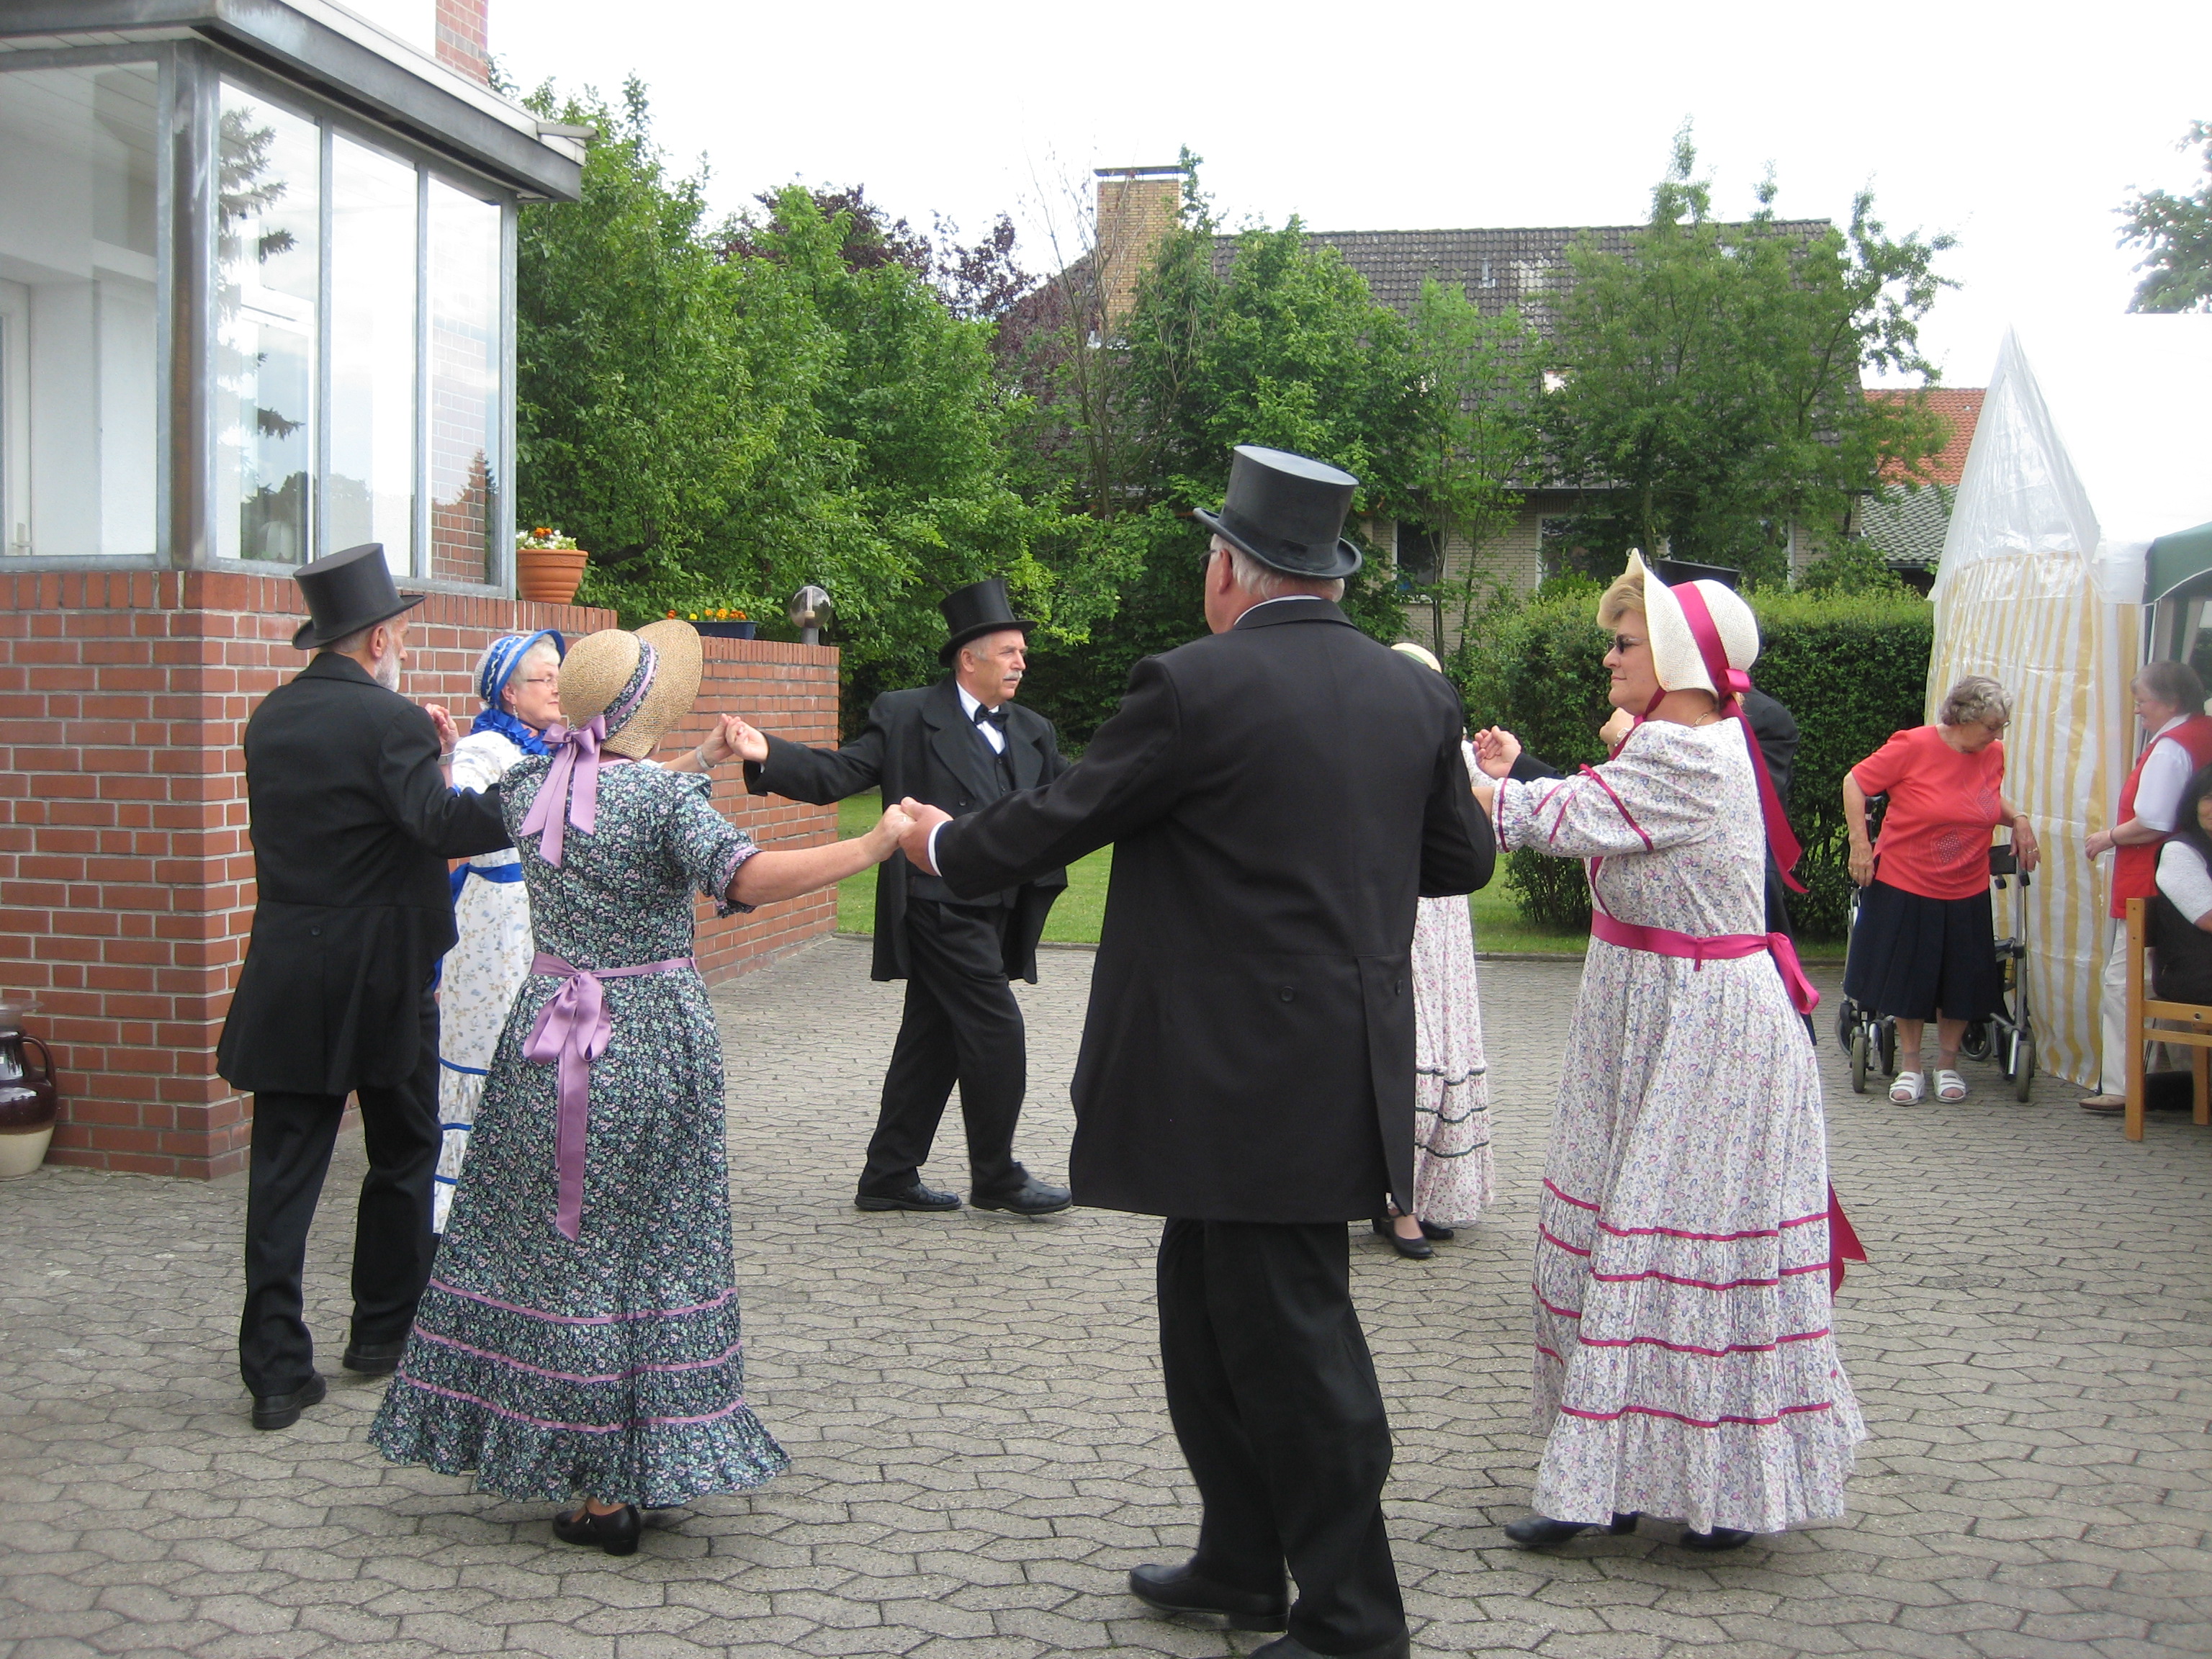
{"points": [[962, 1024], [1274, 1401], [392, 1245]]}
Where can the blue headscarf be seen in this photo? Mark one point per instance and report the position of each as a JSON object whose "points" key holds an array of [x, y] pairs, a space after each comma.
{"points": [[500, 658]]}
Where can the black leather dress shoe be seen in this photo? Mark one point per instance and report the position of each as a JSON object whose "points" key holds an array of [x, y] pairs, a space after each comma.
{"points": [[374, 1358], [1032, 1197], [1183, 1590], [281, 1411], [1289, 1647], [1429, 1229], [1535, 1531], [912, 1196], [616, 1534]]}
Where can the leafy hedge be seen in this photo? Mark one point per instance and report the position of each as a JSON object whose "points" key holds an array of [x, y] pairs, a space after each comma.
{"points": [[1852, 668]]}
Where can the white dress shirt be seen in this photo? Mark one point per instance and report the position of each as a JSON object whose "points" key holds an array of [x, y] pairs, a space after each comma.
{"points": [[991, 734]]}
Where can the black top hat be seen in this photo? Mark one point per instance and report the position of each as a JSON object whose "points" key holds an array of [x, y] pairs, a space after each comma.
{"points": [[346, 592], [978, 609], [1288, 511], [1675, 571]]}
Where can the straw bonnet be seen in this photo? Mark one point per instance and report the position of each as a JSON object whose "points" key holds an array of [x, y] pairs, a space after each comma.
{"points": [[1675, 657], [643, 682]]}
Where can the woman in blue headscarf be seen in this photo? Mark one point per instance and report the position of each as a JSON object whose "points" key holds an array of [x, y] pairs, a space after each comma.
{"points": [[518, 683]]}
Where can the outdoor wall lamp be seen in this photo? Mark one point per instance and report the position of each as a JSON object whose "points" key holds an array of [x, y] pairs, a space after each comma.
{"points": [[810, 611]]}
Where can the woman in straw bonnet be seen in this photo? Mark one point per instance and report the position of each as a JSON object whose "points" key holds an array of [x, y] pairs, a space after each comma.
{"points": [[1685, 1365], [1452, 1159], [579, 1336]]}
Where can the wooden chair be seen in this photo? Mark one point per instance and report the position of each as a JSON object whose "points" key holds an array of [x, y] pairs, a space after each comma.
{"points": [[2189, 1025]]}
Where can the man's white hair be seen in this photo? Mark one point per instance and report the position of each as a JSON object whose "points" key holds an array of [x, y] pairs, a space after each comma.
{"points": [[1265, 583]]}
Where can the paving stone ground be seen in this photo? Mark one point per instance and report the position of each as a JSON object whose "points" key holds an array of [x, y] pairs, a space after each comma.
{"points": [[980, 1453]]}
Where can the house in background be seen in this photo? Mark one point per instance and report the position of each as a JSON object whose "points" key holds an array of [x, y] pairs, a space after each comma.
{"points": [[1905, 519], [1523, 269]]}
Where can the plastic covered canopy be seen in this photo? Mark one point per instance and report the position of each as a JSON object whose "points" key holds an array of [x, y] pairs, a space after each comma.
{"points": [[2176, 561]]}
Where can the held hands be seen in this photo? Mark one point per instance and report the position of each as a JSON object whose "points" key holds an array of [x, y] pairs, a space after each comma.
{"points": [[1615, 731], [891, 829], [448, 733], [915, 843], [733, 737], [1495, 750]]}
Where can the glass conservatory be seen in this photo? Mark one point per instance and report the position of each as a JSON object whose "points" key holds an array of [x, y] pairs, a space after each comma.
{"points": [[256, 291]]}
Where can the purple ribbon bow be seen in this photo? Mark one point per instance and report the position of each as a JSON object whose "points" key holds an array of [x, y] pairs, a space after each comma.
{"points": [[572, 1031], [570, 793]]}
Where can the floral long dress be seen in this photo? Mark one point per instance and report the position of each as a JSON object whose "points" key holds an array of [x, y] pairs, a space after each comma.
{"points": [[481, 973], [609, 1364], [1453, 1167], [1685, 1362]]}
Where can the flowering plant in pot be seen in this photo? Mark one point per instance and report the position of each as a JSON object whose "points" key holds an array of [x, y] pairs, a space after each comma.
{"points": [[548, 565], [720, 622]]}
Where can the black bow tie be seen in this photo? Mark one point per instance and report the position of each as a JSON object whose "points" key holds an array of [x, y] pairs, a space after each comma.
{"points": [[991, 716]]}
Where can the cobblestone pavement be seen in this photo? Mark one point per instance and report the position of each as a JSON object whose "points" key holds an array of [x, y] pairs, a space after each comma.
{"points": [[981, 1452]]}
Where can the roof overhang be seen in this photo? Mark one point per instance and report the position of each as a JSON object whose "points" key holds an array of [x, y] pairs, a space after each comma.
{"points": [[344, 58]]}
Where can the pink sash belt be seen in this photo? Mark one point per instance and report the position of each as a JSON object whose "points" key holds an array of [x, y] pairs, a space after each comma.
{"points": [[572, 1031], [1843, 1240], [1711, 947]]}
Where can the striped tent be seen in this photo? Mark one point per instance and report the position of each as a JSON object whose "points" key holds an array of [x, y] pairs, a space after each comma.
{"points": [[2036, 591]]}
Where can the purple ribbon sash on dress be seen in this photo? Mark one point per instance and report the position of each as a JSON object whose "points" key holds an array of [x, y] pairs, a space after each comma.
{"points": [[570, 793], [572, 1031]]}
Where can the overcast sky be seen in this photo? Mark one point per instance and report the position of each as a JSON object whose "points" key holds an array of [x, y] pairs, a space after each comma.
{"points": [[2016, 128]]}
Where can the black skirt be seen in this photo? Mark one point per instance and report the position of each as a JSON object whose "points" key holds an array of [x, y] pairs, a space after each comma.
{"points": [[1912, 957]]}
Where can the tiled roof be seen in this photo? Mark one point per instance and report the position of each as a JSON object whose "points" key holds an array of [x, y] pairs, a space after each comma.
{"points": [[1500, 270], [1907, 522], [1962, 407]]}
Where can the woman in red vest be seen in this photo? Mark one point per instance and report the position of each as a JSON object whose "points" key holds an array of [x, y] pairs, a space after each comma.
{"points": [[1923, 946], [2170, 703]]}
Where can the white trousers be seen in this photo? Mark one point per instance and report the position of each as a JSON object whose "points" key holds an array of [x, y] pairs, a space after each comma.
{"points": [[2112, 1007]]}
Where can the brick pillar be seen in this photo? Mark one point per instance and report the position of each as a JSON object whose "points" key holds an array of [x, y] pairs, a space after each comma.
{"points": [[463, 37], [126, 876]]}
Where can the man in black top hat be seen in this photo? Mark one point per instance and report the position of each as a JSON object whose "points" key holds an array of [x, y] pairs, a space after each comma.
{"points": [[1247, 1068], [958, 744], [352, 822]]}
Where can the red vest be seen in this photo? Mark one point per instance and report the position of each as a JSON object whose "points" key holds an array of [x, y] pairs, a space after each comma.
{"points": [[2134, 869]]}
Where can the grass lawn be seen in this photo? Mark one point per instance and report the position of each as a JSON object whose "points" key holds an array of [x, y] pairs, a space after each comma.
{"points": [[1075, 918]]}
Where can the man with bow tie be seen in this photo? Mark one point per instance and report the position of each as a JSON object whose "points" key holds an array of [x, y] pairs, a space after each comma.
{"points": [[958, 744]]}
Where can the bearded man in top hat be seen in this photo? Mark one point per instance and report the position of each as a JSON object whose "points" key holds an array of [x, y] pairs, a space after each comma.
{"points": [[958, 744], [1247, 1066], [352, 821]]}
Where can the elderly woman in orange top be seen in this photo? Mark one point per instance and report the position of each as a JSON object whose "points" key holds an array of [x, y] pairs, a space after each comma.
{"points": [[1922, 947]]}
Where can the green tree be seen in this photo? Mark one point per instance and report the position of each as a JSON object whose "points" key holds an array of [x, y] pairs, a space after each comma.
{"points": [[1473, 437], [1706, 382], [2176, 231]]}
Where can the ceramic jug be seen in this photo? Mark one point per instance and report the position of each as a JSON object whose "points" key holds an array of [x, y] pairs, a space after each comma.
{"points": [[29, 1102]]}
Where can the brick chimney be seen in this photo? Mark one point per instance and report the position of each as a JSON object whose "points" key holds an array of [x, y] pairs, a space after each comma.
{"points": [[463, 43], [1137, 209]]}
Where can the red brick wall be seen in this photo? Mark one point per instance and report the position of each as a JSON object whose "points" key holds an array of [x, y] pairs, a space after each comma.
{"points": [[126, 879], [462, 43]]}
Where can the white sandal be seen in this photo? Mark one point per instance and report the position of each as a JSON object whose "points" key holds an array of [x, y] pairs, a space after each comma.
{"points": [[1950, 1086], [1909, 1089]]}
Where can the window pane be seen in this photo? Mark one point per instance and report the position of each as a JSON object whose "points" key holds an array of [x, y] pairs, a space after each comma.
{"points": [[465, 365], [370, 496], [268, 268], [79, 375]]}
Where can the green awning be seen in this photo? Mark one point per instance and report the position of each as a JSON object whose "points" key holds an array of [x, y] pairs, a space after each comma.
{"points": [[2176, 559]]}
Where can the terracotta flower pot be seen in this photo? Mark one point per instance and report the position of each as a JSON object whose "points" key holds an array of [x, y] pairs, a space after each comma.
{"points": [[549, 575]]}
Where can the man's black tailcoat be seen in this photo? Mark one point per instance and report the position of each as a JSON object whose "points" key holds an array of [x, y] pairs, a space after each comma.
{"points": [[921, 744], [352, 821], [1278, 796]]}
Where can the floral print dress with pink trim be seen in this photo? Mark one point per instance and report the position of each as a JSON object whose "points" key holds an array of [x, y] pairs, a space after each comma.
{"points": [[609, 1365], [1685, 1365]]}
